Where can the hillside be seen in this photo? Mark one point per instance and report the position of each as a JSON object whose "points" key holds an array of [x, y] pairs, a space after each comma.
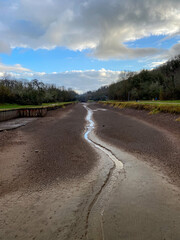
{"points": [[161, 83]]}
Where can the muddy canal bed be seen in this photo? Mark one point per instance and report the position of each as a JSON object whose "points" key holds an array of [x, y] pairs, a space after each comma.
{"points": [[62, 177]]}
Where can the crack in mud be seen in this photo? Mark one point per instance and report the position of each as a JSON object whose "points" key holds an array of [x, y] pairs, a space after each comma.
{"points": [[116, 164]]}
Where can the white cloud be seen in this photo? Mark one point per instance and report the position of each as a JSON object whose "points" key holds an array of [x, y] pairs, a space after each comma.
{"points": [[103, 26], [156, 64], [15, 68], [80, 81], [158, 60]]}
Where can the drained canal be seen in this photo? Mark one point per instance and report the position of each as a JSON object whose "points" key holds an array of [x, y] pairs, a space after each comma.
{"points": [[89, 127], [135, 201], [94, 221]]}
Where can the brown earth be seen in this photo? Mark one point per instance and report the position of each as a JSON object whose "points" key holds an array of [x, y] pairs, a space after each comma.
{"points": [[47, 150], [153, 138], [51, 178], [48, 177]]}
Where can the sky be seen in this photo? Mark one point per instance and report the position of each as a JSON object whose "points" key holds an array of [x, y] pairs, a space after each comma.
{"points": [[86, 44]]}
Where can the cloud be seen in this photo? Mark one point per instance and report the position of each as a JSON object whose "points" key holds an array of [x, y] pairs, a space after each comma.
{"points": [[118, 51], [102, 26], [156, 64], [164, 57], [17, 68], [174, 50], [80, 81], [4, 47]]}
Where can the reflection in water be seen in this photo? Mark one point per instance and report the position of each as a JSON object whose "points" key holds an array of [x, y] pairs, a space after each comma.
{"points": [[89, 128]]}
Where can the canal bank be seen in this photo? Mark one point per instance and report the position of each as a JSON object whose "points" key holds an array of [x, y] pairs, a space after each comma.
{"points": [[8, 114]]}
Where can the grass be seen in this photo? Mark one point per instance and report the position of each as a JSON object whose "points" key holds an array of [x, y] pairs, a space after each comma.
{"points": [[154, 107], [8, 106], [161, 102]]}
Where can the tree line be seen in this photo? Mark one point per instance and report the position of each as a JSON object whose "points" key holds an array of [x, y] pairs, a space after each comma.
{"points": [[162, 83], [33, 92]]}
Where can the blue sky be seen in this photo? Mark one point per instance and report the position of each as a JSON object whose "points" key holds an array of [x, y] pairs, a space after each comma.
{"points": [[88, 44], [61, 59]]}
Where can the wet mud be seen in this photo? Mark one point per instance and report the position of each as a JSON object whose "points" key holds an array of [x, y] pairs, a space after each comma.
{"points": [[64, 177]]}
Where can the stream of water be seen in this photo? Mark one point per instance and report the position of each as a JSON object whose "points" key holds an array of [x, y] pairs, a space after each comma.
{"points": [[136, 202], [89, 127]]}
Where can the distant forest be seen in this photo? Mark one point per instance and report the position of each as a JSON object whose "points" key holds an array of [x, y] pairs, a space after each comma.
{"points": [[162, 83], [33, 92]]}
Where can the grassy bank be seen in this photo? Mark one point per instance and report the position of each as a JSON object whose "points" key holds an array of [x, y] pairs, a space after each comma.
{"points": [[7, 106], [152, 106], [161, 102]]}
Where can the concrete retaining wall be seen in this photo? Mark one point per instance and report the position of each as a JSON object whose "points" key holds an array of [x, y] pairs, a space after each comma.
{"points": [[32, 112], [27, 112], [8, 114]]}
